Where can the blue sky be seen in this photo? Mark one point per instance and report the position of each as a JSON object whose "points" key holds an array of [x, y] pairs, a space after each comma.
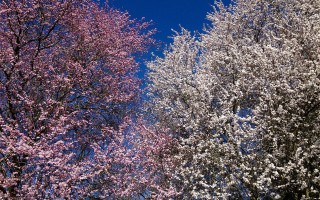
{"points": [[167, 15]]}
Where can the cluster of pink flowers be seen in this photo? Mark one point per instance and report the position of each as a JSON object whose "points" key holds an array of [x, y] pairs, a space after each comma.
{"points": [[68, 92]]}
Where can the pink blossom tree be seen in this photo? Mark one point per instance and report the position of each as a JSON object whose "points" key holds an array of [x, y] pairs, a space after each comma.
{"points": [[68, 90]]}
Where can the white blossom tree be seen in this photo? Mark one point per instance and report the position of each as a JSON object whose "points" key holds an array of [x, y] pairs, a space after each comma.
{"points": [[244, 99]]}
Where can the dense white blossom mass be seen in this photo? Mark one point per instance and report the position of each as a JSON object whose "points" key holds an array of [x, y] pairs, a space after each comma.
{"points": [[244, 101]]}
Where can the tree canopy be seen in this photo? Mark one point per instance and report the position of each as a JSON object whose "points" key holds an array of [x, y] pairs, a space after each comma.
{"points": [[232, 113], [244, 99]]}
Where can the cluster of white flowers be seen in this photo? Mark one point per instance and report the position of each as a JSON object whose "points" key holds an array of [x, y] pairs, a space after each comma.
{"points": [[244, 100]]}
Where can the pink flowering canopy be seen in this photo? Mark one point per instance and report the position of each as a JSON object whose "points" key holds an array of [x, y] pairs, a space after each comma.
{"points": [[68, 90]]}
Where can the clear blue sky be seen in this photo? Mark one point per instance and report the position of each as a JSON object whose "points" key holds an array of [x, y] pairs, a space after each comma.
{"points": [[167, 15]]}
